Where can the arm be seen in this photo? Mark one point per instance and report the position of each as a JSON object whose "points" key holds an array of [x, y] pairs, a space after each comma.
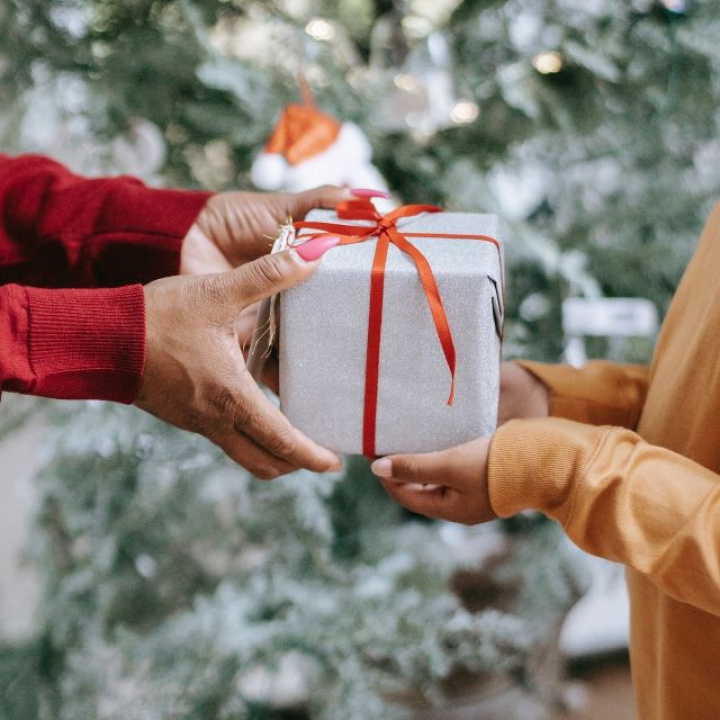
{"points": [[57, 229], [600, 393], [60, 230], [615, 495], [141, 344]]}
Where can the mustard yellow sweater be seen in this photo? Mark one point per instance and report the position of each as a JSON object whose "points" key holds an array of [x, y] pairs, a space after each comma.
{"points": [[629, 465]]}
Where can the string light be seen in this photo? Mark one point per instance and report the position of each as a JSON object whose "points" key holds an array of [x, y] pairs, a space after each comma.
{"points": [[676, 6], [320, 29], [548, 63], [464, 112], [405, 82], [416, 26]]}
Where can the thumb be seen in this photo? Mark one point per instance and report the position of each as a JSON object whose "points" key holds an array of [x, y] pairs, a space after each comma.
{"points": [[274, 273]]}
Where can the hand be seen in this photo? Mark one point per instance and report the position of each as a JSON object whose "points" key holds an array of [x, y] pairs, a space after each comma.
{"points": [[452, 485], [195, 375], [237, 227], [448, 485]]}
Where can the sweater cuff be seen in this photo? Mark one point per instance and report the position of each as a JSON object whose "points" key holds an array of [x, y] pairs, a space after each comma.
{"points": [[86, 344], [600, 393], [139, 231], [535, 464]]}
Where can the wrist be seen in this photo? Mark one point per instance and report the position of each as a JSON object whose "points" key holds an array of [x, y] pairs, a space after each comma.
{"points": [[538, 402], [522, 395]]}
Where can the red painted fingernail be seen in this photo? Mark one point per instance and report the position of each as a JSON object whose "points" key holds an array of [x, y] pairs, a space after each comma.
{"points": [[314, 249], [368, 193]]}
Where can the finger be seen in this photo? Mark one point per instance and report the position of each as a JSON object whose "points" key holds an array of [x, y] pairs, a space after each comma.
{"points": [[272, 274], [457, 467], [256, 460], [263, 422], [432, 501], [326, 196]]}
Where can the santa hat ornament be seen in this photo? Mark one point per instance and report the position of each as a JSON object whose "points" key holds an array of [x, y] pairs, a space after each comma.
{"points": [[308, 148]]}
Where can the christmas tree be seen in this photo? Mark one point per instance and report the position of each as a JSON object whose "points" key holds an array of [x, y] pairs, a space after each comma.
{"points": [[178, 587]]}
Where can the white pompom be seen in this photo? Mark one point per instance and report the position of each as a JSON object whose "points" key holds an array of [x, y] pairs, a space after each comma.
{"points": [[353, 143], [269, 171]]}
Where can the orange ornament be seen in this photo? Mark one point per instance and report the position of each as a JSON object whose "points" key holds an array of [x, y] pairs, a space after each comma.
{"points": [[302, 133]]}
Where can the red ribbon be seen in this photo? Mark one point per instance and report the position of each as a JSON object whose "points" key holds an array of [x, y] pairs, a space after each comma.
{"points": [[385, 228]]}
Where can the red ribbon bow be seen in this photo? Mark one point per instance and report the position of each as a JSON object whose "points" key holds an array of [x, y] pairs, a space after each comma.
{"points": [[385, 228]]}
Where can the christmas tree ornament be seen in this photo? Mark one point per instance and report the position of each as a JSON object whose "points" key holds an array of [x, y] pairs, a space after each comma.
{"points": [[308, 148]]}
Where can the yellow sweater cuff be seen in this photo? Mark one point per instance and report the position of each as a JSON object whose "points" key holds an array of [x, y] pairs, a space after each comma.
{"points": [[601, 393], [536, 465]]}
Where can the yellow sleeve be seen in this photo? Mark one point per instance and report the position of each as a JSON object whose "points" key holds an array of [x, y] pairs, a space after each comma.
{"points": [[600, 393], [617, 497]]}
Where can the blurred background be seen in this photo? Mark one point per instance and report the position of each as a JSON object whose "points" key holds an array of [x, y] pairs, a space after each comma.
{"points": [[143, 576]]}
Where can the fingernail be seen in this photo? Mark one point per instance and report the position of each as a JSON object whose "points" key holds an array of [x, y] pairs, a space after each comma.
{"points": [[369, 193], [382, 467], [314, 249]]}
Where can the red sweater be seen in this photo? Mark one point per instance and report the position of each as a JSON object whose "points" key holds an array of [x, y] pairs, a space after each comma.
{"points": [[58, 230]]}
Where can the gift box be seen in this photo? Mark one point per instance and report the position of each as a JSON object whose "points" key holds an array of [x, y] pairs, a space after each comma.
{"points": [[393, 345]]}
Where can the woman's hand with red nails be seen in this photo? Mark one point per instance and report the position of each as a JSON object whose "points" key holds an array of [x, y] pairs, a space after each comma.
{"points": [[195, 375], [448, 485]]}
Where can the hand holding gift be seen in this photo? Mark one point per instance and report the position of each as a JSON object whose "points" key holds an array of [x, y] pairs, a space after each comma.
{"points": [[195, 375], [453, 484]]}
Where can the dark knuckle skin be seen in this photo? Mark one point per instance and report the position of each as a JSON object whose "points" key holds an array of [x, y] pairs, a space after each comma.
{"points": [[410, 469], [210, 289], [244, 414], [224, 403], [216, 287], [263, 274]]}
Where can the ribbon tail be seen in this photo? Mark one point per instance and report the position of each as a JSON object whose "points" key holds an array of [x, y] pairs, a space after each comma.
{"points": [[372, 364], [437, 309]]}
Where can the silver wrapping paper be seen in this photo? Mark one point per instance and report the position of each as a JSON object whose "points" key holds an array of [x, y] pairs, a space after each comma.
{"points": [[323, 341]]}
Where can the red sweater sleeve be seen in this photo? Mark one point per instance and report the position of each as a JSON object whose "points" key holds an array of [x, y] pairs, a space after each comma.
{"points": [[61, 230]]}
